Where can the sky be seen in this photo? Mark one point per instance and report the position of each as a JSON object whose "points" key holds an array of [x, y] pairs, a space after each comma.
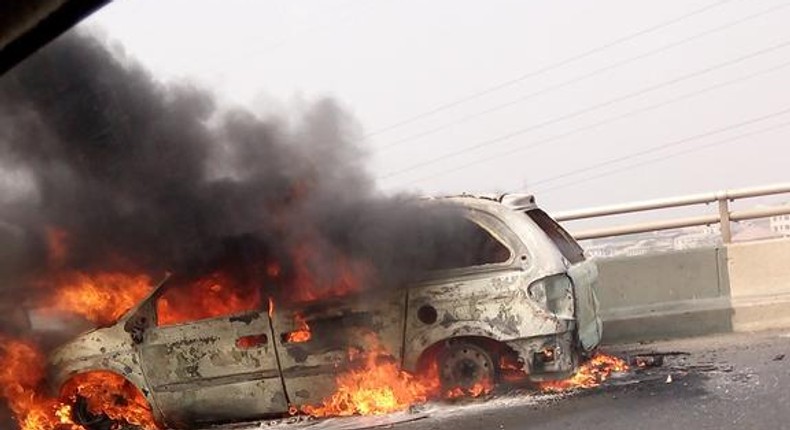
{"points": [[582, 103]]}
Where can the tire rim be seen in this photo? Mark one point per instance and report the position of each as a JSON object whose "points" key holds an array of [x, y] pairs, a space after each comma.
{"points": [[466, 365]]}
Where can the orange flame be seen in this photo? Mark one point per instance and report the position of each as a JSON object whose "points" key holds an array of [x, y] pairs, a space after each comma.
{"points": [[56, 246], [373, 385], [377, 387], [344, 276], [478, 389], [215, 294], [590, 374], [101, 298], [511, 370], [302, 333], [22, 370], [111, 394]]}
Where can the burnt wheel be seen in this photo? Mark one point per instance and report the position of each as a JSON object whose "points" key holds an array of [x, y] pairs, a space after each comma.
{"points": [[465, 365], [84, 417]]}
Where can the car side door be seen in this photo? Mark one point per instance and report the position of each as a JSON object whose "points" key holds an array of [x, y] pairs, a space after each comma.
{"points": [[337, 329], [221, 367]]}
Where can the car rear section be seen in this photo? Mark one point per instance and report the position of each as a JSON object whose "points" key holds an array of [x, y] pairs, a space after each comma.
{"points": [[534, 311], [582, 273]]}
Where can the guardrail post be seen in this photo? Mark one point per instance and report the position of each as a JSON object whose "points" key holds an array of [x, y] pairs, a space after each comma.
{"points": [[724, 219]]}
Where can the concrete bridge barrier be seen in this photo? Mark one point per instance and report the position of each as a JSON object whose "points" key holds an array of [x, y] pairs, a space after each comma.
{"points": [[735, 287]]}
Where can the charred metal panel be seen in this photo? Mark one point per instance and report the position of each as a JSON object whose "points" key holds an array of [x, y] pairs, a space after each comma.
{"points": [[201, 371], [495, 306], [108, 349], [532, 352], [310, 368]]}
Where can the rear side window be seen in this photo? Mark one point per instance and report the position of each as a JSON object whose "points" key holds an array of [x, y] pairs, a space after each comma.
{"points": [[567, 245], [458, 242]]}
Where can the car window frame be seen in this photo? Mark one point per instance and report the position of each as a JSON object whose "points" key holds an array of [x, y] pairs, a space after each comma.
{"points": [[148, 306], [484, 220]]}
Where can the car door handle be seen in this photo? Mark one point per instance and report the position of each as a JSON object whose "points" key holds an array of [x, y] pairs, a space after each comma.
{"points": [[252, 341]]}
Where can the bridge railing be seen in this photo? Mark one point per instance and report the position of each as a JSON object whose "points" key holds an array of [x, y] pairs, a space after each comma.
{"points": [[724, 216]]}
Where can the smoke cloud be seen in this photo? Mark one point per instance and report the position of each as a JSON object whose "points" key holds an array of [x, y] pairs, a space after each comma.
{"points": [[103, 167]]}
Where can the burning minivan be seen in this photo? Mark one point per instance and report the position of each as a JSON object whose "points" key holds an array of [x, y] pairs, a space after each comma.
{"points": [[519, 298]]}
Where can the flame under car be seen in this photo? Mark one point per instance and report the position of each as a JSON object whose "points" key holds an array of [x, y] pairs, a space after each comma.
{"points": [[521, 300]]}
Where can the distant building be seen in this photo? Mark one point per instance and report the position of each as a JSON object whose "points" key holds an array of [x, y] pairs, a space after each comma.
{"points": [[653, 242], [687, 238], [780, 225], [698, 237], [752, 231], [600, 251]]}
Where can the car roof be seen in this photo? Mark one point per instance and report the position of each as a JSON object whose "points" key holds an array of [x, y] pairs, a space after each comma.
{"points": [[515, 202]]}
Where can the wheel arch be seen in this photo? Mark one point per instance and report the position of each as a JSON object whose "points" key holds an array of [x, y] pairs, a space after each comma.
{"points": [[431, 336], [66, 385], [67, 378], [68, 373], [497, 349]]}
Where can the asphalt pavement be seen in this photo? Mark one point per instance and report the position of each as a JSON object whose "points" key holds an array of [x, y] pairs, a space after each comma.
{"points": [[734, 381]]}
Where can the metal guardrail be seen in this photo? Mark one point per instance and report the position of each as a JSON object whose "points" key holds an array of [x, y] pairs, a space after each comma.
{"points": [[723, 217]]}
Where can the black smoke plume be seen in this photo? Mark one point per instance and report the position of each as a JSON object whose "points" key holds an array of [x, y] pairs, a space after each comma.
{"points": [[140, 175]]}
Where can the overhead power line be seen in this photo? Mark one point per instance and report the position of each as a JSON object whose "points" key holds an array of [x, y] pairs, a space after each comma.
{"points": [[581, 78], [671, 144], [642, 152], [607, 121], [577, 113], [550, 67], [673, 155]]}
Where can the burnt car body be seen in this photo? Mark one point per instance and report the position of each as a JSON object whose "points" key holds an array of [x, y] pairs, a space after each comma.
{"points": [[534, 300]]}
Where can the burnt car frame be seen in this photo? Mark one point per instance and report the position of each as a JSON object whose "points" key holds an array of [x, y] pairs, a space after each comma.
{"points": [[536, 303]]}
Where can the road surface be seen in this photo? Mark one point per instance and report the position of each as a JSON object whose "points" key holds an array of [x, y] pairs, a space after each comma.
{"points": [[734, 381]]}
